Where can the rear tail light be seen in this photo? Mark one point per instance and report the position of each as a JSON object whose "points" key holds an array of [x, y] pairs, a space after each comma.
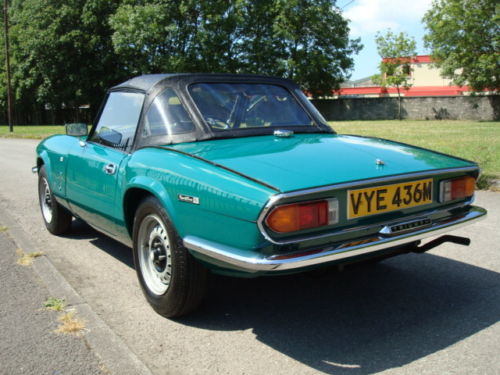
{"points": [[456, 188], [299, 216]]}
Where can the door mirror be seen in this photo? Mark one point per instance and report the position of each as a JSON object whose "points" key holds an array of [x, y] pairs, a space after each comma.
{"points": [[77, 129]]}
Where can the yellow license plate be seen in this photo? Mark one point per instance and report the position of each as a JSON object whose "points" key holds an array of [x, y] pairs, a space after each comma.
{"points": [[376, 200]]}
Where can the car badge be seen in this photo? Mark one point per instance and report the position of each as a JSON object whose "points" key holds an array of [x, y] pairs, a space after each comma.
{"points": [[379, 162], [188, 199]]}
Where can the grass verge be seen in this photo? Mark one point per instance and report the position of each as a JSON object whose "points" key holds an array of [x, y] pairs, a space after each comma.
{"points": [[31, 131], [472, 140]]}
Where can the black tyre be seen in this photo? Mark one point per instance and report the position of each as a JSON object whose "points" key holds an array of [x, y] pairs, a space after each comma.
{"points": [[173, 282], [57, 219]]}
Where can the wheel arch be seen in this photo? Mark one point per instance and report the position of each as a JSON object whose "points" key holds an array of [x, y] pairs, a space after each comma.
{"points": [[43, 160], [137, 191], [39, 162]]}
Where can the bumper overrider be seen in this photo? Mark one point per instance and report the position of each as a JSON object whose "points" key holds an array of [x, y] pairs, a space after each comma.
{"points": [[252, 262]]}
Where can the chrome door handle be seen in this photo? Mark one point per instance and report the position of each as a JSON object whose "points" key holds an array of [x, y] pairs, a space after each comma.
{"points": [[110, 168]]}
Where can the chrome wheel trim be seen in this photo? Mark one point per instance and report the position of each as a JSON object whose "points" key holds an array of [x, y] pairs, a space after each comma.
{"points": [[46, 201], [155, 257]]}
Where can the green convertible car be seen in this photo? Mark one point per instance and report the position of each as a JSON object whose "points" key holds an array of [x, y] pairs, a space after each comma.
{"points": [[242, 176]]}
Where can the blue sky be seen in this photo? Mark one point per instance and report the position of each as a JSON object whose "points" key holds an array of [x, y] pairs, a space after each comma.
{"points": [[369, 16]]}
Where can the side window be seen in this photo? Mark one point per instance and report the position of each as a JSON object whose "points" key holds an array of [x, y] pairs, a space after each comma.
{"points": [[118, 121], [167, 116]]}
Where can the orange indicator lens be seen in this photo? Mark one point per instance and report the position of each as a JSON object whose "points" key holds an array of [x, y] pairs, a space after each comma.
{"points": [[298, 216]]}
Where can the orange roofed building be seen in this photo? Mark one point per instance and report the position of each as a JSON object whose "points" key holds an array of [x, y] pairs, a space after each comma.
{"points": [[425, 79]]}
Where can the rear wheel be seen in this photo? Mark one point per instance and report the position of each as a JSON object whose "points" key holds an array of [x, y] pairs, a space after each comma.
{"points": [[57, 219], [173, 282]]}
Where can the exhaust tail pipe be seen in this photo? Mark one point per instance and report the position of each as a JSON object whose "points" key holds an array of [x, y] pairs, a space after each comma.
{"points": [[439, 241]]}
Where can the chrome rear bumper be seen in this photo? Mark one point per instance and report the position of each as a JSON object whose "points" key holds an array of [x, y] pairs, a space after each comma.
{"points": [[250, 261]]}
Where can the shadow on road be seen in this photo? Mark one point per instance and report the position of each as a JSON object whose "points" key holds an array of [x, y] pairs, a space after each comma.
{"points": [[364, 320], [82, 231]]}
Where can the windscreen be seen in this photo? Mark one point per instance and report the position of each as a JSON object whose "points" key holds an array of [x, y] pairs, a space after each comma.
{"points": [[232, 106]]}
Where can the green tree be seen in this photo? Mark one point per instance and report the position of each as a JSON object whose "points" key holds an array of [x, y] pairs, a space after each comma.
{"points": [[397, 52], [464, 37], [258, 44], [67, 53], [314, 42], [304, 40], [63, 52], [177, 36]]}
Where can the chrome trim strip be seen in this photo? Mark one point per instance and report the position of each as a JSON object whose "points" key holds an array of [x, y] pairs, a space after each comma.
{"points": [[418, 223], [257, 262], [276, 198]]}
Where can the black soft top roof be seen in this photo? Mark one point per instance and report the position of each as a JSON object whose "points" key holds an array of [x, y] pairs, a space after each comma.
{"points": [[154, 84], [144, 82], [147, 82]]}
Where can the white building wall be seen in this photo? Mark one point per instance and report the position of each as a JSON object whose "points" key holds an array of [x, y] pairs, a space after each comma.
{"points": [[425, 74]]}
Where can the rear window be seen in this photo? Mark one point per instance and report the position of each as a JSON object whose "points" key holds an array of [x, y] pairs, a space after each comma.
{"points": [[231, 106]]}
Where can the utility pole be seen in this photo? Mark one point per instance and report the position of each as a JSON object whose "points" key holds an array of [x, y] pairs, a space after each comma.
{"points": [[7, 63]]}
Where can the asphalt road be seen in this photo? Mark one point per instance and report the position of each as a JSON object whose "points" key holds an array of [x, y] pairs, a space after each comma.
{"points": [[433, 313]]}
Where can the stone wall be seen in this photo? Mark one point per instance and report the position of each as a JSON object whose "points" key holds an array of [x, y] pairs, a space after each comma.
{"points": [[481, 108]]}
